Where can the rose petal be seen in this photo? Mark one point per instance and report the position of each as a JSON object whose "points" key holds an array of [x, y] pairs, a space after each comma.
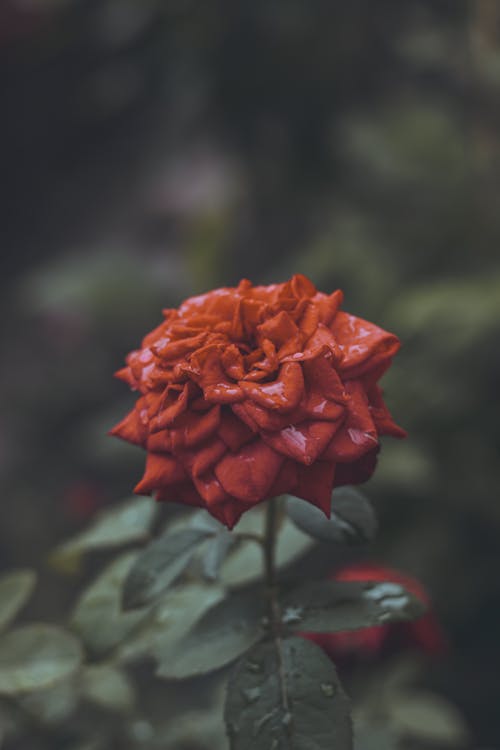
{"points": [[315, 484], [232, 362], [263, 419], [199, 461], [211, 490], [318, 407], [169, 350], [193, 428], [304, 442], [328, 305], [228, 513], [382, 416], [364, 345], [286, 480], [248, 475], [125, 374], [282, 394], [131, 428], [175, 405], [233, 431], [183, 492], [320, 376], [159, 442], [358, 433], [160, 471], [278, 329], [302, 286], [357, 472]]}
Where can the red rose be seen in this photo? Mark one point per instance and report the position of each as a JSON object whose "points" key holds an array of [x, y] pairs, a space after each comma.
{"points": [[254, 391], [424, 634]]}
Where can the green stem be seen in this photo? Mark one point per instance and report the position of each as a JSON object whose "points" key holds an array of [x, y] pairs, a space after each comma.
{"points": [[270, 545], [269, 549]]}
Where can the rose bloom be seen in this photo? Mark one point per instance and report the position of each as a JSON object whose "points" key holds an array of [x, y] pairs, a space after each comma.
{"points": [[423, 635], [250, 392]]}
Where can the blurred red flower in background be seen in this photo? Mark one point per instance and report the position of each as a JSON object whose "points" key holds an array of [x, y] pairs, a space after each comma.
{"points": [[83, 498], [254, 391], [423, 634]]}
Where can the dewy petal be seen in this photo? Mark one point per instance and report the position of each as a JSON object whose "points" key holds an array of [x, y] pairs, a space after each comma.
{"points": [[211, 490], [322, 340], [302, 286], [161, 470], [233, 431], [228, 513], [198, 462], [159, 442], [283, 394], [224, 393], [193, 428], [328, 305], [125, 374], [363, 344], [263, 419], [382, 416], [170, 350], [321, 377], [286, 479], [177, 405], [315, 484], [248, 475], [232, 362], [183, 492], [304, 442], [278, 329], [131, 428], [359, 471], [317, 407], [358, 433]]}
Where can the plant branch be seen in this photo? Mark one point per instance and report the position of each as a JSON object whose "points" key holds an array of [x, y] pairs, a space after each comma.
{"points": [[269, 548]]}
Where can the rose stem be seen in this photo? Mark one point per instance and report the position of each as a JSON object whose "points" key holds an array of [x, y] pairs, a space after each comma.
{"points": [[269, 548]]}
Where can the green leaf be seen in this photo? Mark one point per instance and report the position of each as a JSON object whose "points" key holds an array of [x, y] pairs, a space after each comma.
{"points": [[374, 737], [352, 519], [429, 718], [127, 522], [329, 607], [315, 714], [203, 521], [244, 563], [225, 632], [16, 587], [214, 554], [98, 616], [158, 566], [171, 618], [35, 657], [199, 729], [52, 705], [108, 687]]}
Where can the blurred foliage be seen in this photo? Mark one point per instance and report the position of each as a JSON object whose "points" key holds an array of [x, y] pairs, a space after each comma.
{"points": [[79, 683], [153, 150]]}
